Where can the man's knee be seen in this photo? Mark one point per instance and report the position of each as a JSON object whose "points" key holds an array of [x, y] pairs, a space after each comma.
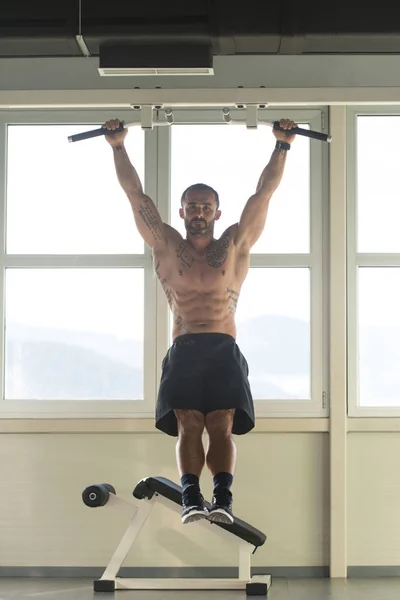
{"points": [[219, 422], [190, 422]]}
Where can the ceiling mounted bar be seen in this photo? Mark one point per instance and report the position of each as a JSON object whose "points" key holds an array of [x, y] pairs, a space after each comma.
{"points": [[252, 116], [169, 115], [226, 115], [147, 117], [148, 123]]}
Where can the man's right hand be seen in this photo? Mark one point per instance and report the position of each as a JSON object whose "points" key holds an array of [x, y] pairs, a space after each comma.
{"points": [[115, 139]]}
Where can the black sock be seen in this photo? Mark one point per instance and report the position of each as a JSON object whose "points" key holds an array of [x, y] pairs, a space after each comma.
{"points": [[222, 482], [190, 483]]}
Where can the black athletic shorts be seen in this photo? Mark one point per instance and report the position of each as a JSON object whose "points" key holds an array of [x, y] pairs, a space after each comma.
{"points": [[204, 372]]}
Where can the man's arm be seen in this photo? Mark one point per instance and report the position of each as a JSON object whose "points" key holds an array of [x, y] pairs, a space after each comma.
{"points": [[147, 217], [254, 215]]}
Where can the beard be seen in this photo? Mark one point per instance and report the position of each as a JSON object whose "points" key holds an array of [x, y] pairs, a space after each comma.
{"points": [[198, 227]]}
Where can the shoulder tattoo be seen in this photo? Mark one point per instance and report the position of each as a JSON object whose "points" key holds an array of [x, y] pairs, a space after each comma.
{"points": [[218, 251]]}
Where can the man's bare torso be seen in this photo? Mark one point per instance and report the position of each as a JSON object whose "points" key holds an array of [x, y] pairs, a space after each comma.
{"points": [[202, 289]]}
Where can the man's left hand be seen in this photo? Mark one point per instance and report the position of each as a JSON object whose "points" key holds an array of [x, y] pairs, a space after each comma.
{"points": [[285, 136]]}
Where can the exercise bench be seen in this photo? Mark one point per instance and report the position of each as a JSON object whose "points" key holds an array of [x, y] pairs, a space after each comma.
{"points": [[158, 489]]}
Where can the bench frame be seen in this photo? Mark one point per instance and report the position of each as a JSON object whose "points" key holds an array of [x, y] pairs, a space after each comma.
{"points": [[109, 581]]}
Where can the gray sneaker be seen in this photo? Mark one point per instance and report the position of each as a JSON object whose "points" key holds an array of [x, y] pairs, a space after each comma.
{"points": [[221, 508], [193, 508]]}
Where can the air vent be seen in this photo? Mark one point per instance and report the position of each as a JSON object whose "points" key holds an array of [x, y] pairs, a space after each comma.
{"points": [[113, 72], [149, 60]]}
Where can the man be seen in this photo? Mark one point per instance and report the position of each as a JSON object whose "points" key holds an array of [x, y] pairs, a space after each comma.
{"points": [[204, 383]]}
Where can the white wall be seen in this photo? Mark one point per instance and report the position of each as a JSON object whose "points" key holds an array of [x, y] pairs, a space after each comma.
{"points": [[374, 499], [281, 487]]}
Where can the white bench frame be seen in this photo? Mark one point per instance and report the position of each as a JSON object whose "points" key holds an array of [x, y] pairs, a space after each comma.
{"points": [[256, 585]]}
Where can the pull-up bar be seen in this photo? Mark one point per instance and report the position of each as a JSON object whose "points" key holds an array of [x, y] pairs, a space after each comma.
{"points": [[147, 123]]}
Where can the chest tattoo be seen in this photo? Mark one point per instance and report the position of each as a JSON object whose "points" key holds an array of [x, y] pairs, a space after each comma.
{"points": [[183, 253], [217, 252]]}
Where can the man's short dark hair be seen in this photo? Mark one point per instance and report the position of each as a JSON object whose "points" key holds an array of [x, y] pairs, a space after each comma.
{"points": [[200, 187]]}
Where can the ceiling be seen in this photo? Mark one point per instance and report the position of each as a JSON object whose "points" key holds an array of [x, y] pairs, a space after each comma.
{"points": [[35, 28]]}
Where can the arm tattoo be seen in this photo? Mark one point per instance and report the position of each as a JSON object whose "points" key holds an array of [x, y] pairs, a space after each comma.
{"points": [[183, 253], [150, 219], [233, 296], [218, 251]]}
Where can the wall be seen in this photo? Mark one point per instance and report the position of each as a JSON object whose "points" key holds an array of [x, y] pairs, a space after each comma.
{"points": [[373, 499], [281, 487]]}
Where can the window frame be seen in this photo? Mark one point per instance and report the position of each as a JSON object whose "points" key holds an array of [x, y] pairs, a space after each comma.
{"points": [[316, 259], [357, 260], [14, 409]]}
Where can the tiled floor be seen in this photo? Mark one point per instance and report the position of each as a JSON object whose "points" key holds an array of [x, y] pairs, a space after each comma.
{"points": [[281, 589]]}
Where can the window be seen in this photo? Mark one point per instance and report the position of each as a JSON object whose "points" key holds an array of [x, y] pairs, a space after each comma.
{"points": [[283, 345], [373, 267], [76, 274], [377, 186], [378, 335], [273, 327], [64, 198], [74, 334], [84, 321], [231, 159]]}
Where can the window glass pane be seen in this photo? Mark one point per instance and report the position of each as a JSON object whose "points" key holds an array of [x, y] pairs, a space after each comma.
{"points": [[378, 206], [74, 334], [378, 336], [231, 159], [273, 332], [64, 198]]}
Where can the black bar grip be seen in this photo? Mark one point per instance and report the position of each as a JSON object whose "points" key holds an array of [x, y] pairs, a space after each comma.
{"points": [[77, 137], [315, 135]]}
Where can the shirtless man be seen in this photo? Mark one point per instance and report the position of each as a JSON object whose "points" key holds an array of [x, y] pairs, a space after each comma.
{"points": [[204, 382]]}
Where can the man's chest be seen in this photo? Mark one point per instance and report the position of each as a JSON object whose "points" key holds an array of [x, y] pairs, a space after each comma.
{"points": [[210, 270], [182, 268]]}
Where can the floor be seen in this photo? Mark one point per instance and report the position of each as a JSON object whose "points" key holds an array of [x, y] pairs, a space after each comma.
{"points": [[281, 589]]}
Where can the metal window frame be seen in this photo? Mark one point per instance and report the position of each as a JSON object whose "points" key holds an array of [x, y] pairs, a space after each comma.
{"points": [[355, 260], [89, 409], [316, 260]]}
